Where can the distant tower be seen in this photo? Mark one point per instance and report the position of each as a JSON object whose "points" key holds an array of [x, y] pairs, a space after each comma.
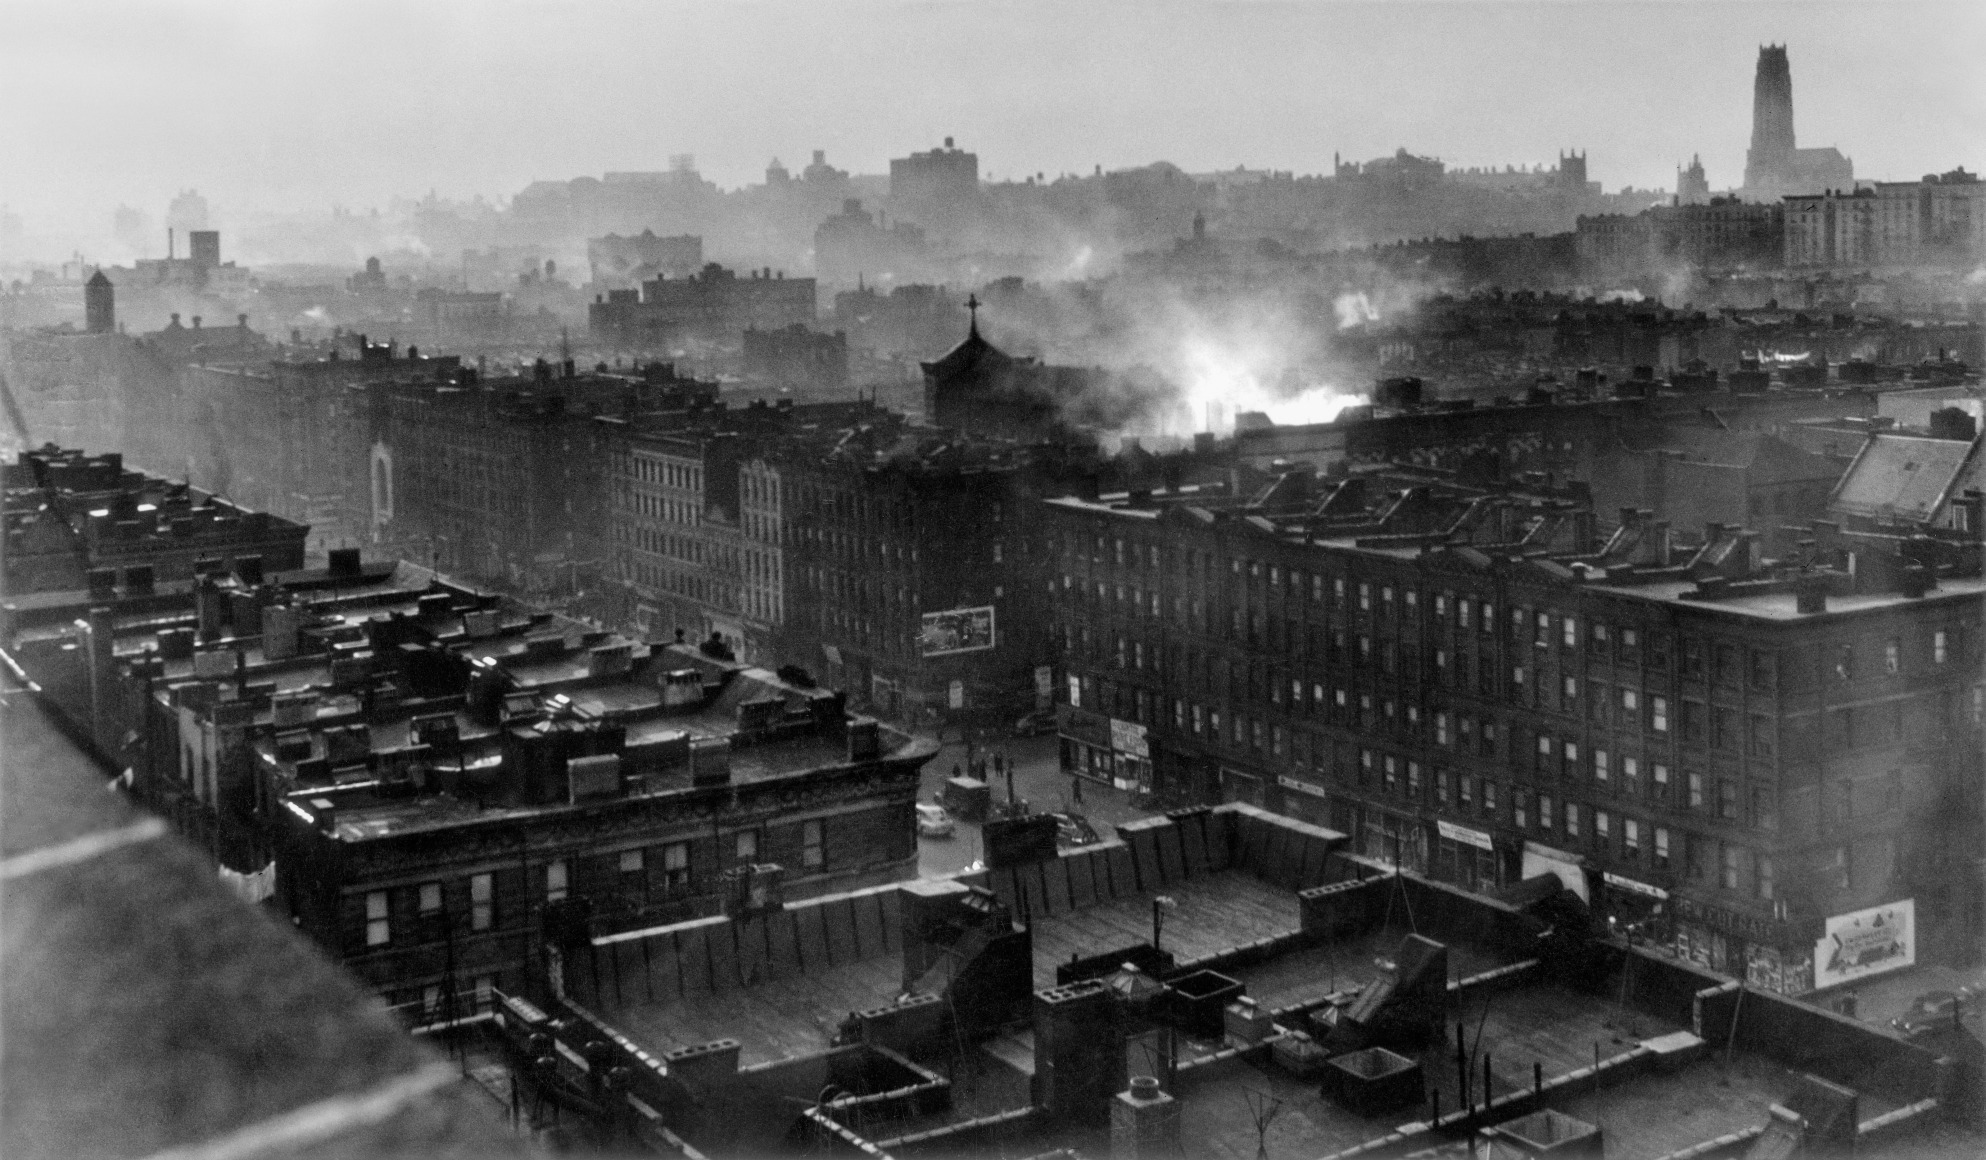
{"points": [[1692, 187], [1572, 171], [1768, 161], [99, 305]]}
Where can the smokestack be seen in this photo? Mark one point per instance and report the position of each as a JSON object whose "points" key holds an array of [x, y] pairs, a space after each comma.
{"points": [[169, 243]]}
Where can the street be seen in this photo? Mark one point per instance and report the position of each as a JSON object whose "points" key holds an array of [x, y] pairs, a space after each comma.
{"points": [[1038, 780]]}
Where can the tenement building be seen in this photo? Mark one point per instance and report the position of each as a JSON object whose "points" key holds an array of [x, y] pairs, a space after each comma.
{"points": [[1728, 748], [75, 520], [432, 782]]}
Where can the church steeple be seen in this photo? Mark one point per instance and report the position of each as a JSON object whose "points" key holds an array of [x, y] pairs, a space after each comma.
{"points": [[972, 306]]}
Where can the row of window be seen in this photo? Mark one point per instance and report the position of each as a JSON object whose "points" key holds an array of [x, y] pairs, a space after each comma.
{"points": [[633, 883]]}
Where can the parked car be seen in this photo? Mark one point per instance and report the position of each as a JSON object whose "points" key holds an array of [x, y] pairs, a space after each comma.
{"points": [[1074, 830], [933, 821], [1035, 724], [1933, 1011]]}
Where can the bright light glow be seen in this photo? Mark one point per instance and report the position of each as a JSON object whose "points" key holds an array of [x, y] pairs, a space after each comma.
{"points": [[1220, 382]]}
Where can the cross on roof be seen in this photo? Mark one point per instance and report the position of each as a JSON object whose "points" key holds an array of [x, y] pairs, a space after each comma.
{"points": [[972, 304]]}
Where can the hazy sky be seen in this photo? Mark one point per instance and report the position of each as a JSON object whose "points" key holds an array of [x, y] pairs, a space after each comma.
{"points": [[293, 105]]}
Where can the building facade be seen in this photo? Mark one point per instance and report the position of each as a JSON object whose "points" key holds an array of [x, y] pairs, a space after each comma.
{"points": [[1487, 698]]}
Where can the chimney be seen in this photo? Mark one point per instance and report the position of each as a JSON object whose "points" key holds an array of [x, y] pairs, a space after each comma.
{"points": [[196, 322], [207, 608], [1144, 1122]]}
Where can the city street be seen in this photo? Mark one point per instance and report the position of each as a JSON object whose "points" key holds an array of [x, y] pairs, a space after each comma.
{"points": [[1038, 780]]}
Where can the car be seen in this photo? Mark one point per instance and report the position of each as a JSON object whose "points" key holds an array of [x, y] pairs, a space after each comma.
{"points": [[1933, 1011], [1035, 724], [1074, 830], [933, 821]]}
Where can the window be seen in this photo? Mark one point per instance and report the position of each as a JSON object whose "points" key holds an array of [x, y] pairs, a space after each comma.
{"points": [[676, 865], [1631, 838], [1658, 714], [1600, 769], [1462, 612], [1727, 799], [1759, 728], [1696, 791], [1520, 800], [1571, 759], [1489, 798], [1572, 819], [1441, 728], [430, 897], [1630, 773], [1693, 715], [1570, 699], [1602, 828], [1761, 670], [630, 861], [745, 846], [1661, 848], [812, 850], [1441, 786], [555, 884], [1938, 647], [1692, 657], [1727, 874], [1723, 727], [482, 901], [1844, 663], [377, 931], [1544, 811], [1571, 632]]}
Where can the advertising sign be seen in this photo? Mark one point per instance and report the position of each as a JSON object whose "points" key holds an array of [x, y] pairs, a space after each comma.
{"points": [[1464, 835], [956, 630], [1633, 887], [1866, 942], [1129, 737], [1299, 785], [1542, 859]]}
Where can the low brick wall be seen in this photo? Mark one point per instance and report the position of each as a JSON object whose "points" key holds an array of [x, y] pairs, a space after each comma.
{"points": [[1458, 1124], [1857, 1055]]}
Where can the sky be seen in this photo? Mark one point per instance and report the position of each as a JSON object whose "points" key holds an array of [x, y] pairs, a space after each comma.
{"points": [[307, 104]]}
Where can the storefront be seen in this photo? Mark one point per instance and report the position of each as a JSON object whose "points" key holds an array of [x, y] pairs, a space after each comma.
{"points": [[1396, 839], [1570, 869], [1763, 951], [1105, 749], [1634, 909], [1465, 857]]}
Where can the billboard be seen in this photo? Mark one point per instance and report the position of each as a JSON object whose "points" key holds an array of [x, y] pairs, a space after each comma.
{"points": [[1866, 942], [956, 630]]}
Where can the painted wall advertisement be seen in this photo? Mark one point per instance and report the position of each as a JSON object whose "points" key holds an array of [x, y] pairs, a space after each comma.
{"points": [[1129, 738], [1866, 942], [956, 630]]}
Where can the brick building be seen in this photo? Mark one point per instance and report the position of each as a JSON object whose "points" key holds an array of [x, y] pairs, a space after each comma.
{"points": [[715, 305], [75, 520], [418, 773], [1475, 686]]}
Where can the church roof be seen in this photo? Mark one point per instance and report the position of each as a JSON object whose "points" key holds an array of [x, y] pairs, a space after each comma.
{"points": [[969, 355]]}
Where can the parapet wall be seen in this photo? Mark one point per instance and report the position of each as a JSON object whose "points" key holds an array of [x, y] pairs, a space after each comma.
{"points": [[707, 955]]}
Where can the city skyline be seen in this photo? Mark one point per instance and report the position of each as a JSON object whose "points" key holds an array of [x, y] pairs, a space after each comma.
{"points": [[236, 109]]}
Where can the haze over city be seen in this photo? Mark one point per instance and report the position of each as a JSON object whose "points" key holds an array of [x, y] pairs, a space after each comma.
{"points": [[303, 106], [939, 581]]}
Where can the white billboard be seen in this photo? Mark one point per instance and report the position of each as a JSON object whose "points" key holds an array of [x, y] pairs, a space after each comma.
{"points": [[956, 630], [1866, 942]]}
